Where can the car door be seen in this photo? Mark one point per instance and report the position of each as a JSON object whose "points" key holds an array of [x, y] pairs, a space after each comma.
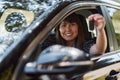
{"points": [[112, 55]]}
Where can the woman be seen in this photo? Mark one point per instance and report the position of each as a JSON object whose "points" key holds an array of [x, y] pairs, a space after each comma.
{"points": [[70, 33]]}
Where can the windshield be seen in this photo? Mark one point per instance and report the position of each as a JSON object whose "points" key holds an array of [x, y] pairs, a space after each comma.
{"points": [[16, 17]]}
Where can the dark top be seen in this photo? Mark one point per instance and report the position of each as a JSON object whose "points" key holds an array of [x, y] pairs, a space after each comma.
{"points": [[87, 45]]}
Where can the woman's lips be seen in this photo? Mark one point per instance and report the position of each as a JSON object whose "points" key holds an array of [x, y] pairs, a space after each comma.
{"points": [[68, 34]]}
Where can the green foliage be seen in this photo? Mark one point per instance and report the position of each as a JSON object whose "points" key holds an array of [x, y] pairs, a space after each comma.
{"points": [[116, 15], [118, 39]]}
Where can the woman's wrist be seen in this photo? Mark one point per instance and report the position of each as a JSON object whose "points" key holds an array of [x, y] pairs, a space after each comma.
{"points": [[100, 29]]}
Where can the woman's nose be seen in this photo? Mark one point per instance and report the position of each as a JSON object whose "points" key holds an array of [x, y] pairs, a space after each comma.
{"points": [[68, 27]]}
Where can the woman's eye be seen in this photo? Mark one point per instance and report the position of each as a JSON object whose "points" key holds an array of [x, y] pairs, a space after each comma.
{"points": [[63, 25], [73, 23]]}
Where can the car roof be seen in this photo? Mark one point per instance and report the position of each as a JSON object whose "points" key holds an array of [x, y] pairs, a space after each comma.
{"points": [[110, 2], [115, 2]]}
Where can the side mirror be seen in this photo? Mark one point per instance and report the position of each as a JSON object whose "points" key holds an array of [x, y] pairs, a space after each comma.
{"points": [[59, 60]]}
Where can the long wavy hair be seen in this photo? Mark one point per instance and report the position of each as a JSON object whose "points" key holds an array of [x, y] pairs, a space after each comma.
{"points": [[80, 38]]}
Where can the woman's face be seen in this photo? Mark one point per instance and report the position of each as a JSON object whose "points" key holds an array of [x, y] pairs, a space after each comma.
{"points": [[68, 31]]}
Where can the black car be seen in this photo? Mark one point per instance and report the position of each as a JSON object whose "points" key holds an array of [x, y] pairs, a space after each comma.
{"points": [[27, 24]]}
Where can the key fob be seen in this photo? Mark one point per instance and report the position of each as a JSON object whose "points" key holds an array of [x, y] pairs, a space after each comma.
{"points": [[91, 25]]}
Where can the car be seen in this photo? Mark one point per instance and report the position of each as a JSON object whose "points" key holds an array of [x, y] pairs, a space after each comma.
{"points": [[27, 24]]}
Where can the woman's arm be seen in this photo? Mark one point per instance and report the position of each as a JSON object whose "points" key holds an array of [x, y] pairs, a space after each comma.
{"points": [[101, 41]]}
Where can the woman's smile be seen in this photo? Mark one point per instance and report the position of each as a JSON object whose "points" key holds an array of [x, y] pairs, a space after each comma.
{"points": [[68, 34]]}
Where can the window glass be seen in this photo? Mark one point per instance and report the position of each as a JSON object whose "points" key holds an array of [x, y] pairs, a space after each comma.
{"points": [[16, 17], [12, 24], [115, 16]]}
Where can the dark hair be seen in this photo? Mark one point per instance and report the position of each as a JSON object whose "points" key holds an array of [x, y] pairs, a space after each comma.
{"points": [[80, 39]]}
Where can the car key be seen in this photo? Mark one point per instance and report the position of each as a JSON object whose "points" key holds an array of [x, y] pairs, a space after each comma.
{"points": [[91, 25]]}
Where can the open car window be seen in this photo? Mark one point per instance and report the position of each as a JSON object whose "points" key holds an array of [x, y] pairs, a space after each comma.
{"points": [[88, 33]]}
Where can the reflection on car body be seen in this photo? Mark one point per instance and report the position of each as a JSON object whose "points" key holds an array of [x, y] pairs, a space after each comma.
{"points": [[10, 22], [20, 48]]}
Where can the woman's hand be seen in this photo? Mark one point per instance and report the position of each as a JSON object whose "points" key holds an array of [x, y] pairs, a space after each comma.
{"points": [[99, 21], [101, 42]]}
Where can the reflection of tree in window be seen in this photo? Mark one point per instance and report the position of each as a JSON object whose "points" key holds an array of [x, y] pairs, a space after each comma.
{"points": [[15, 25], [116, 15], [15, 21]]}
